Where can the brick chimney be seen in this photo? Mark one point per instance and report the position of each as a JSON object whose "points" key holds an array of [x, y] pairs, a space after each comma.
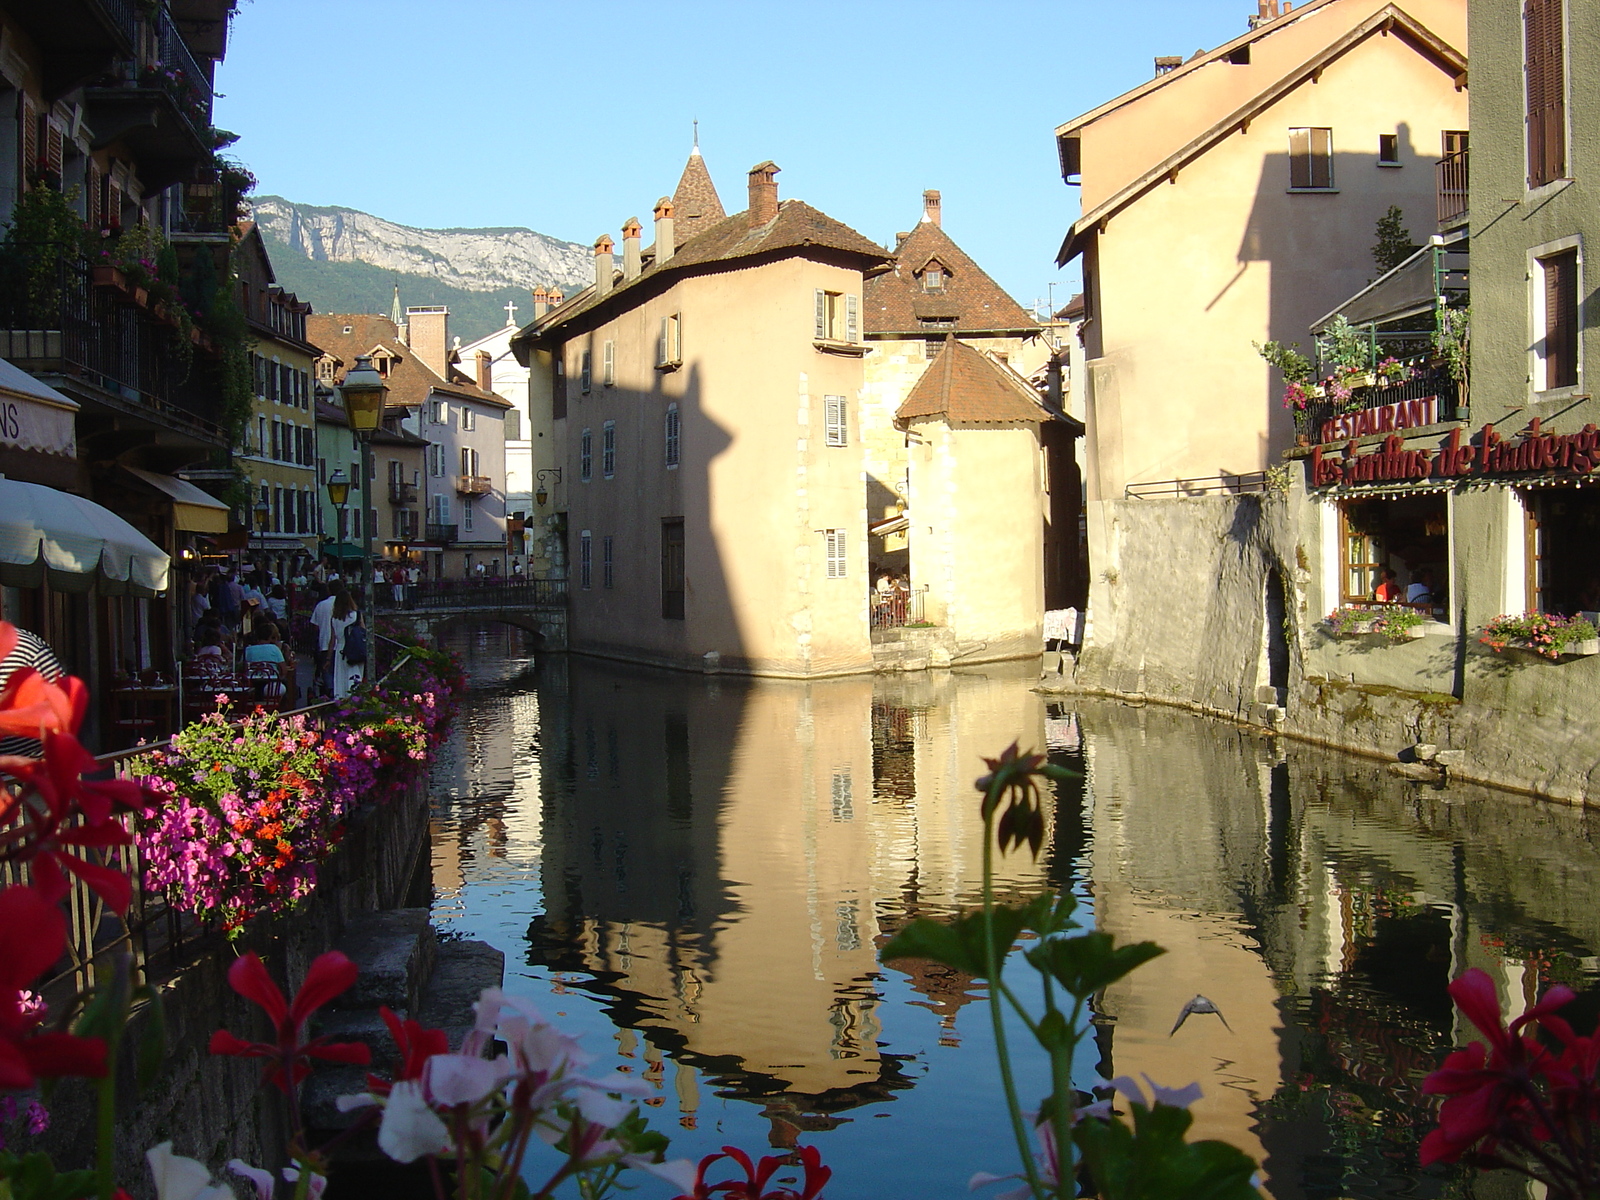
{"points": [[763, 192], [630, 248], [485, 371], [427, 333], [603, 266], [541, 302], [930, 206], [665, 246]]}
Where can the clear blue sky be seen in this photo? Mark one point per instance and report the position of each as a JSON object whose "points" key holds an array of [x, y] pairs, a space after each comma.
{"points": [[570, 117]]}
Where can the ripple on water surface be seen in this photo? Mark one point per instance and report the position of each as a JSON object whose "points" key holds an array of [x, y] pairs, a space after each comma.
{"points": [[696, 874]]}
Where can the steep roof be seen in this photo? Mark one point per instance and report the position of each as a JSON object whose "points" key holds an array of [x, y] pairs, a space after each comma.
{"points": [[895, 301], [410, 381], [966, 386], [695, 202], [1387, 20], [797, 227]]}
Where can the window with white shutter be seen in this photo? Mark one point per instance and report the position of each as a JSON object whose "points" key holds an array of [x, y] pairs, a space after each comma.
{"points": [[608, 363], [669, 345], [585, 560], [822, 315], [836, 553], [852, 319], [585, 372], [836, 420]]}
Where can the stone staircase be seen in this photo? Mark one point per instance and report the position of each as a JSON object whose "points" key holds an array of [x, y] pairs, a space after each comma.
{"points": [[405, 966]]}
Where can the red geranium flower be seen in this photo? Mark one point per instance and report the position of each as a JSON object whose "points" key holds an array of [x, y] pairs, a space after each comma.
{"points": [[31, 703], [289, 1058], [33, 933], [756, 1175], [416, 1043]]}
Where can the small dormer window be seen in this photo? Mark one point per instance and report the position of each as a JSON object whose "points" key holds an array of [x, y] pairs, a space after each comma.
{"points": [[933, 278]]}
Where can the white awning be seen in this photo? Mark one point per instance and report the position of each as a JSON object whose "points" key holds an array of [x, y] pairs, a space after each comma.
{"points": [[34, 416], [192, 509], [74, 542]]}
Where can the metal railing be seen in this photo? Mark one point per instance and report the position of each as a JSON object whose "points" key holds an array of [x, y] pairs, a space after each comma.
{"points": [[896, 610], [1209, 485], [495, 592], [442, 535], [191, 89], [472, 485], [1450, 173], [123, 16], [402, 493], [1426, 382]]}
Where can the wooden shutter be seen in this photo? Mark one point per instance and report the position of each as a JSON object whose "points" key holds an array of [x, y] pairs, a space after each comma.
{"points": [[661, 344], [822, 314], [1545, 77], [94, 201], [28, 122], [1322, 158], [52, 148], [836, 553], [1560, 319], [1299, 158], [608, 364], [835, 419], [852, 319]]}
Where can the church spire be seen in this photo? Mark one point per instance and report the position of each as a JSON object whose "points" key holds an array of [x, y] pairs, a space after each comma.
{"points": [[395, 314], [695, 203]]}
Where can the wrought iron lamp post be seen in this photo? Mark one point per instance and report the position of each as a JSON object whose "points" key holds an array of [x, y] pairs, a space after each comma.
{"points": [[339, 496], [363, 392]]}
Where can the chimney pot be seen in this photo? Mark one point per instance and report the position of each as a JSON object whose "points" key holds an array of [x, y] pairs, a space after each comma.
{"points": [[665, 245], [485, 371], [603, 266], [631, 262], [930, 207], [763, 192], [541, 302]]}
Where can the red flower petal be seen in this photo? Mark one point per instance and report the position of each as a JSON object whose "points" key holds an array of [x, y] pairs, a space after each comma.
{"points": [[111, 885], [250, 979], [331, 974], [54, 1054], [342, 1052], [223, 1042], [1475, 995], [33, 932]]}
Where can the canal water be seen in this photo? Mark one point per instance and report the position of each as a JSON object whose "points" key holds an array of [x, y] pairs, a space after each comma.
{"points": [[695, 873]]}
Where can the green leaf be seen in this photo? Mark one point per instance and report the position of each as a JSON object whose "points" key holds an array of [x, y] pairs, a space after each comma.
{"points": [[1051, 913], [1055, 1034], [152, 1047], [34, 1177], [1090, 962], [961, 944], [1153, 1162]]}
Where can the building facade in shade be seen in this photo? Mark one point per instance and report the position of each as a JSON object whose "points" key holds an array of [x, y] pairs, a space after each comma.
{"points": [[1233, 199], [277, 456], [439, 461], [494, 368], [703, 404]]}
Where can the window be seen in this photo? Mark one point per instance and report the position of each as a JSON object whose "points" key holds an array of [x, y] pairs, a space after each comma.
{"points": [[585, 560], [1388, 149], [441, 509], [585, 373], [607, 575], [1311, 160], [586, 456], [1545, 77], [470, 461], [835, 422], [558, 390], [1562, 525], [836, 559], [669, 344], [1555, 326], [439, 412], [1406, 535], [468, 507], [933, 278], [608, 449], [672, 582], [469, 417], [838, 317], [435, 460], [670, 436], [261, 436], [608, 363]]}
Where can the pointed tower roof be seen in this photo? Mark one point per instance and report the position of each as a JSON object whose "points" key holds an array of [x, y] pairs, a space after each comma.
{"points": [[395, 311], [695, 199]]}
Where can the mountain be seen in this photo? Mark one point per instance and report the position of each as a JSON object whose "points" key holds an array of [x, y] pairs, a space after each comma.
{"points": [[344, 260]]}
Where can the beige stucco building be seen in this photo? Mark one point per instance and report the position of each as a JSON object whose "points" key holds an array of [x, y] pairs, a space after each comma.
{"points": [[1233, 199]]}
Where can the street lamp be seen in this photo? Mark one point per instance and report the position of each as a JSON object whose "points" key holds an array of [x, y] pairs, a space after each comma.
{"points": [[363, 392], [542, 495], [263, 515], [339, 496]]}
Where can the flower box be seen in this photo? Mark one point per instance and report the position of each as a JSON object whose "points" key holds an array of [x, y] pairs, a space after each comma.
{"points": [[1551, 637], [141, 296], [109, 276]]}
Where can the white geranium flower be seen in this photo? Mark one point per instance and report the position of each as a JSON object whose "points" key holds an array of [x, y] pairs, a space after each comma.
{"points": [[410, 1129], [180, 1178]]}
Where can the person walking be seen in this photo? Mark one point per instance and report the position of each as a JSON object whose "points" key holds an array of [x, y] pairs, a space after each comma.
{"points": [[346, 653]]}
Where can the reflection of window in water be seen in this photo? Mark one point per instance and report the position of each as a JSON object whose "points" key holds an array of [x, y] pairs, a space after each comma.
{"points": [[842, 1016], [843, 801], [685, 894], [848, 934], [613, 756], [680, 801], [895, 731]]}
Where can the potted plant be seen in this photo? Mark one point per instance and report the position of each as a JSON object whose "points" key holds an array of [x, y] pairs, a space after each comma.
{"points": [[1396, 622], [1296, 369], [1548, 635]]}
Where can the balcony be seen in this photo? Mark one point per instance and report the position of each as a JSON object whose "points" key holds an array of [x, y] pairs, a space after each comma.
{"points": [[402, 493], [78, 39], [55, 320], [1429, 397], [896, 610], [440, 535], [472, 485], [1450, 174]]}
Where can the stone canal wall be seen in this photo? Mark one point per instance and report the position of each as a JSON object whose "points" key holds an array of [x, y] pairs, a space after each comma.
{"points": [[213, 1107], [1215, 604]]}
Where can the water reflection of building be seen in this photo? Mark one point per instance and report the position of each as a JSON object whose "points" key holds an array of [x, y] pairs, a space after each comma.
{"points": [[725, 858]]}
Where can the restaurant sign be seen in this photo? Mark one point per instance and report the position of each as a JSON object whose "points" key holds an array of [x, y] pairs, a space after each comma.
{"points": [[1384, 418], [1534, 451]]}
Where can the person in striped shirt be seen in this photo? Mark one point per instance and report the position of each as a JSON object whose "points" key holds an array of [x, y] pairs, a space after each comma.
{"points": [[33, 651]]}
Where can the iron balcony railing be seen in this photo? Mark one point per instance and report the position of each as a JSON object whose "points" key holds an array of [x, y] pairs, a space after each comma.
{"points": [[181, 74], [1451, 178], [402, 493], [1208, 485], [124, 16], [495, 592], [443, 535], [897, 609], [53, 317], [1320, 421], [472, 485]]}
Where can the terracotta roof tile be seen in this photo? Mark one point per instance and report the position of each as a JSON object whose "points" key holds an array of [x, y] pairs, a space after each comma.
{"points": [[896, 303], [966, 386], [696, 205], [410, 381]]}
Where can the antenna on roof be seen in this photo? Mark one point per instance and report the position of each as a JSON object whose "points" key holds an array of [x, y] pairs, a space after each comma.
{"points": [[696, 149]]}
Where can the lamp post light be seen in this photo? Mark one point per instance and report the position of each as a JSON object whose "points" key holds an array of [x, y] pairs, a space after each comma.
{"points": [[339, 496], [263, 515], [363, 392], [542, 495]]}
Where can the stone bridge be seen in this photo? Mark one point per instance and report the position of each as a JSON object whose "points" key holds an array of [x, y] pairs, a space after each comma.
{"points": [[536, 605]]}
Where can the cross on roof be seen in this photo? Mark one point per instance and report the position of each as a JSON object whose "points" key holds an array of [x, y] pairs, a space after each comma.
{"points": [[511, 312]]}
